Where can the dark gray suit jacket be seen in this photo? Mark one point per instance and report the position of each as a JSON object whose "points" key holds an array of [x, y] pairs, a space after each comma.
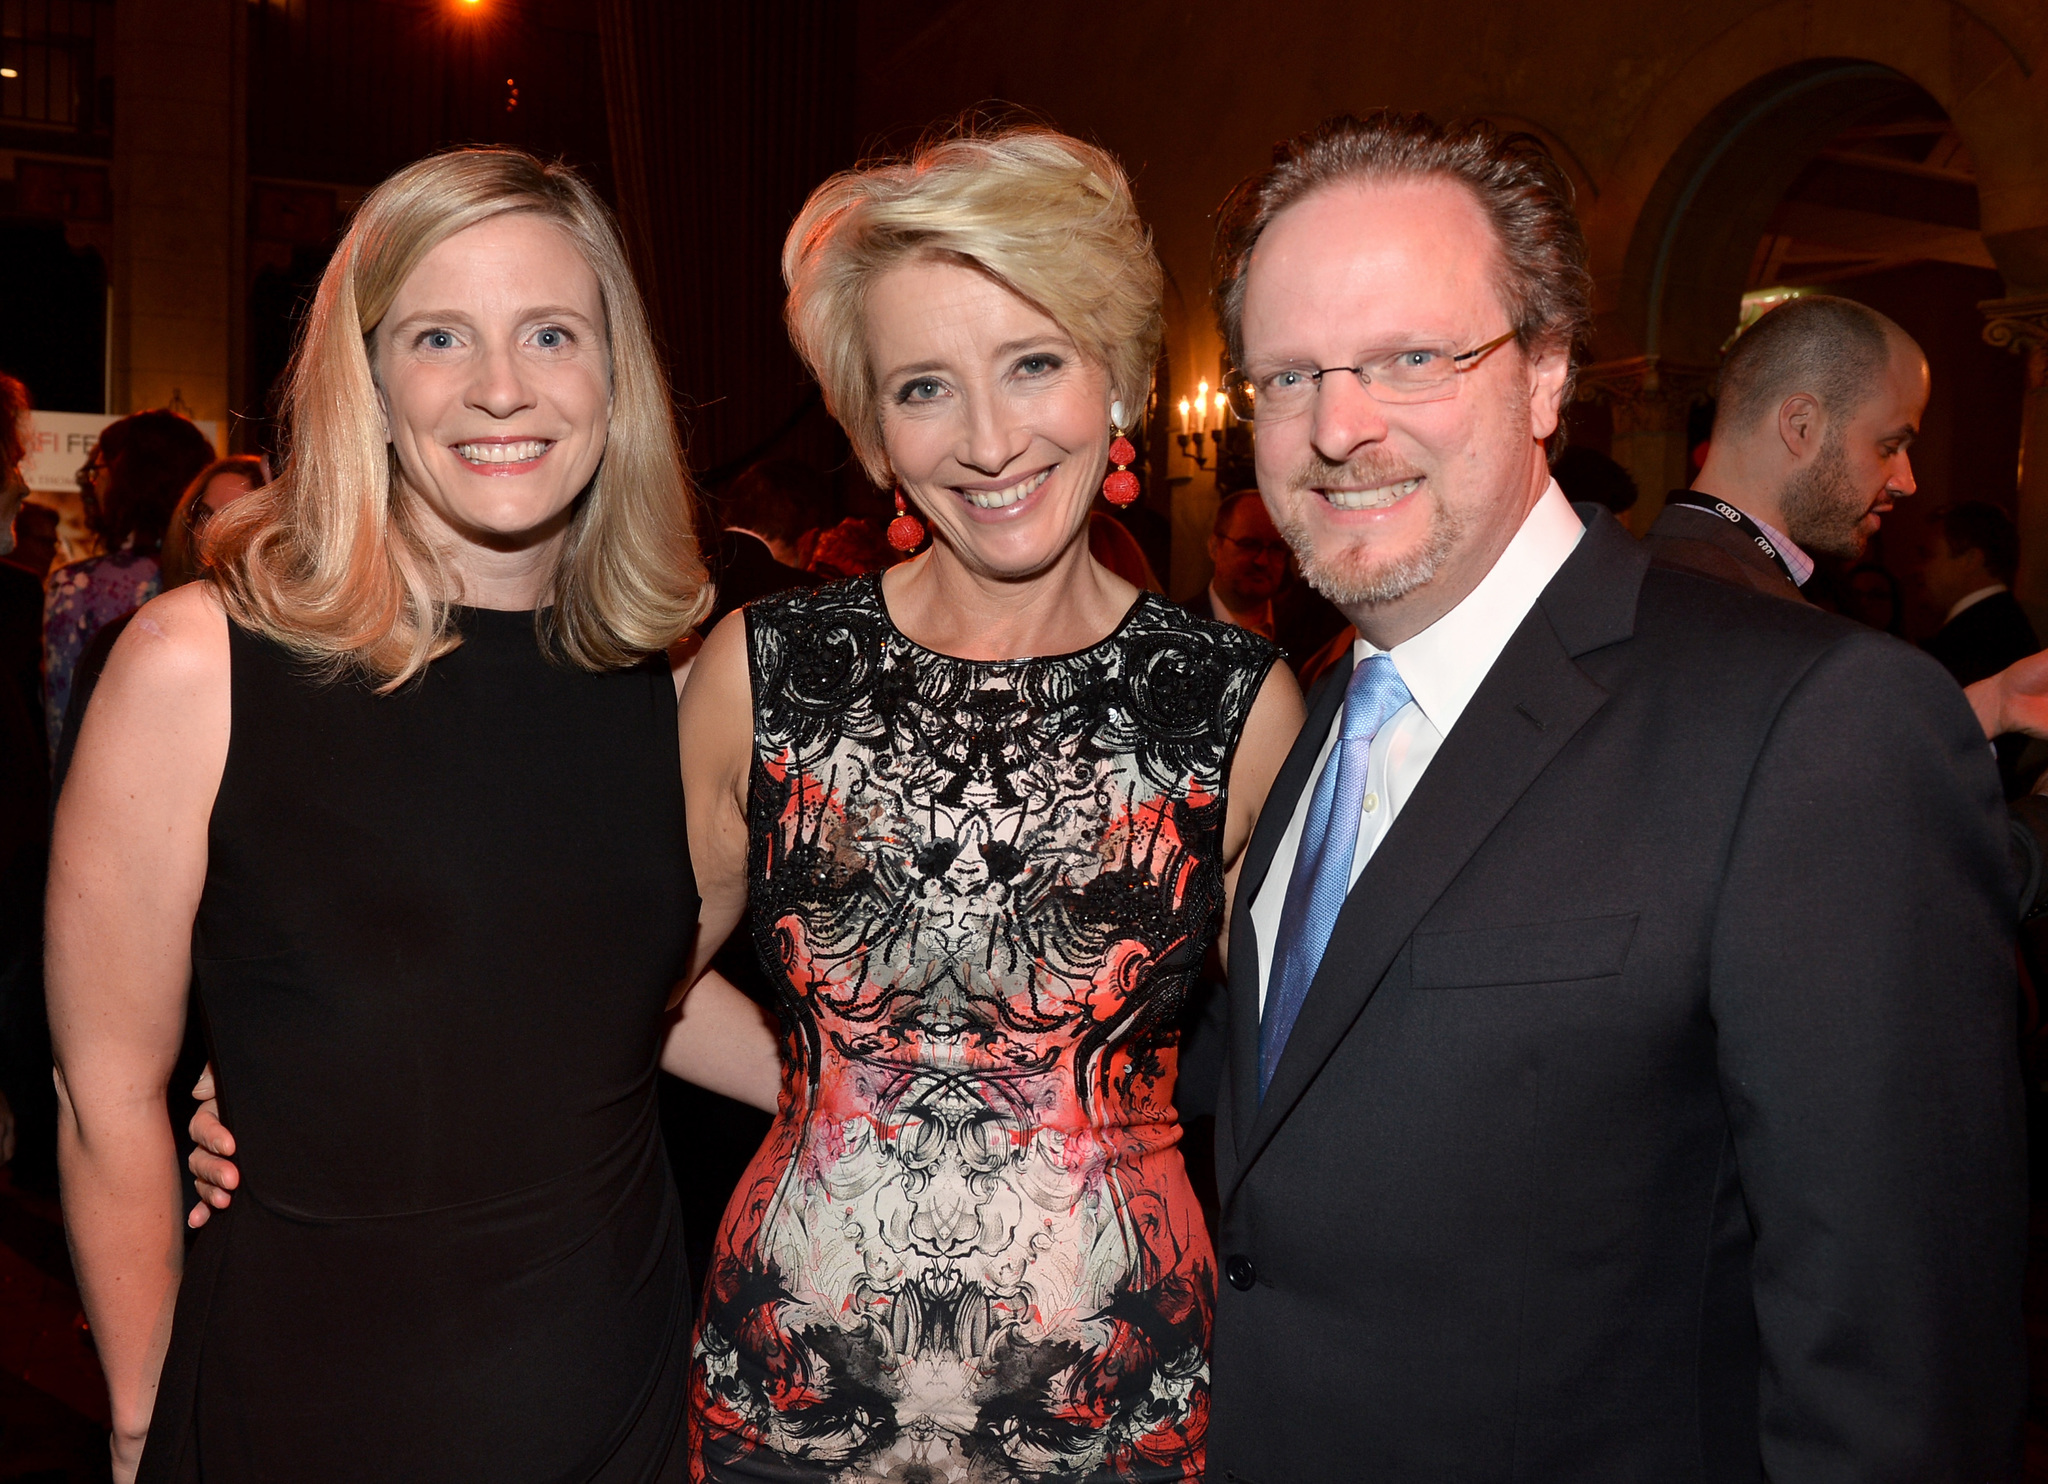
{"points": [[1655, 1113]]}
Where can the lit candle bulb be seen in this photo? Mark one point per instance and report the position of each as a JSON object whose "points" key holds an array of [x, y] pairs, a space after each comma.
{"points": [[1222, 405], [1183, 417], [1201, 406]]}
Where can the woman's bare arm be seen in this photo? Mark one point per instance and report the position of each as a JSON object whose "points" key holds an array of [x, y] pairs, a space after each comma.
{"points": [[718, 1038], [721, 1040], [127, 865], [1269, 734]]}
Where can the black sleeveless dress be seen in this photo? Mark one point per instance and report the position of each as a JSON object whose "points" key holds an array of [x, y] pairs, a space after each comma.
{"points": [[438, 932], [968, 1249]]}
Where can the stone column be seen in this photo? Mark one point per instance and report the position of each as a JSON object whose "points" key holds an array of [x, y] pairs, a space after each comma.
{"points": [[179, 168], [2021, 325], [1649, 398]]}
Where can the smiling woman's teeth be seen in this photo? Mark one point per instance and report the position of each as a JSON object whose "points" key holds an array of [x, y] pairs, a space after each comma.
{"points": [[503, 453], [1377, 499], [997, 499]]}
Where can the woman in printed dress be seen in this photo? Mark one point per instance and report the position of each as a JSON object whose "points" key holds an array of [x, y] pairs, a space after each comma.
{"points": [[986, 807]]}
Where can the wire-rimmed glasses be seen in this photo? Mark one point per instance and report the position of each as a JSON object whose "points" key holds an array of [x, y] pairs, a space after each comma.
{"points": [[1419, 371]]}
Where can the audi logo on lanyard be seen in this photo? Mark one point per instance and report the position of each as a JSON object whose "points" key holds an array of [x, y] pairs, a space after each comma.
{"points": [[1740, 521]]}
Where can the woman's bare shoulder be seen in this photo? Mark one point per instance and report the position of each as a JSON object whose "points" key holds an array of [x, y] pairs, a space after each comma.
{"points": [[178, 637], [715, 717], [720, 668]]}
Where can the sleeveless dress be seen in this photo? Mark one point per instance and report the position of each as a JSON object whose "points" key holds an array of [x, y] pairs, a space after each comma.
{"points": [[438, 931], [968, 1249]]}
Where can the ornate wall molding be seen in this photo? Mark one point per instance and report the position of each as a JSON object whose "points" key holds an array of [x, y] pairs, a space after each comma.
{"points": [[2020, 325], [1647, 394]]}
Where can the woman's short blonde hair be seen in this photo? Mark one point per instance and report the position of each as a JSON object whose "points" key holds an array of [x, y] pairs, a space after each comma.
{"points": [[1046, 216], [331, 560]]}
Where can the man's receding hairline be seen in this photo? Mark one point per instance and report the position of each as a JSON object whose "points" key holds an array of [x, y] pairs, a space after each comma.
{"points": [[1362, 181], [1818, 347]]}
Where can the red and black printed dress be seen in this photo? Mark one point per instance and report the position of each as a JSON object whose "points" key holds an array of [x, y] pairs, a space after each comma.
{"points": [[967, 1250]]}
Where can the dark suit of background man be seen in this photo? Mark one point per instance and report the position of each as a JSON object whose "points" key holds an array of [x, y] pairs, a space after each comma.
{"points": [[1620, 1083], [1968, 574]]}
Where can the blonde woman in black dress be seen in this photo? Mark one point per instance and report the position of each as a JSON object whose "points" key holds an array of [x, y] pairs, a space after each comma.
{"points": [[396, 792]]}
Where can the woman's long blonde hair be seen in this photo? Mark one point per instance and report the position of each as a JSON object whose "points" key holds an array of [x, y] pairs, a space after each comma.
{"points": [[330, 560]]}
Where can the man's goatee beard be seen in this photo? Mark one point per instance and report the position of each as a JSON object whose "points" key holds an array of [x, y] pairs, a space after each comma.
{"points": [[1348, 576]]}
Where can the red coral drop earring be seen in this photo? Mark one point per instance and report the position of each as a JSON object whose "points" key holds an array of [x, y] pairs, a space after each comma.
{"points": [[906, 531], [1121, 487]]}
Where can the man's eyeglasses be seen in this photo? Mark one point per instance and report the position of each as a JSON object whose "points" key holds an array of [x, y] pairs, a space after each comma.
{"points": [[1418, 372]]}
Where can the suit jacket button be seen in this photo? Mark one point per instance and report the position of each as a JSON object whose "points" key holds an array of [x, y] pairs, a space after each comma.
{"points": [[1239, 1270]]}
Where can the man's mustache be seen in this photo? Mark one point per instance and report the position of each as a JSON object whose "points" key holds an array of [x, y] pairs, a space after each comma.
{"points": [[1369, 473]]}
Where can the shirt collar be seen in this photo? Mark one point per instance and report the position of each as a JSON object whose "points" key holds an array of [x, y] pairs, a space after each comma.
{"points": [[1444, 665], [1800, 563], [1971, 600]]}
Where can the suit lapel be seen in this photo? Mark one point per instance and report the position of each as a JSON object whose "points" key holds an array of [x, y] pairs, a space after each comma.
{"points": [[1247, 952], [1531, 704]]}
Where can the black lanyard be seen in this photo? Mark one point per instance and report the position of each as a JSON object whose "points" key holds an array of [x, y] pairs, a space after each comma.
{"points": [[1737, 519]]}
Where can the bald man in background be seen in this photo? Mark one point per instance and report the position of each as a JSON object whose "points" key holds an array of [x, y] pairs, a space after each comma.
{"points": [[1819, 403]]}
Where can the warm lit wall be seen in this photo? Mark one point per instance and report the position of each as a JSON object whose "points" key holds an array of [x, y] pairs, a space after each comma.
{"points": [[177, 206]]}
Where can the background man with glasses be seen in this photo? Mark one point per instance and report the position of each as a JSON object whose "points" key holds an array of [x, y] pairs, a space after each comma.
{"points": [[1620, 1079], [1249, 562]]}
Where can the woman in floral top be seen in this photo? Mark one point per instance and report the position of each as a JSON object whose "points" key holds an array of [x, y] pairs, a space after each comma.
{"points": [[130, 484]]}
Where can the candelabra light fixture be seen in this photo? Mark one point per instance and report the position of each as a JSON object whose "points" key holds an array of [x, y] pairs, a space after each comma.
{"points": [[1203, 417]]}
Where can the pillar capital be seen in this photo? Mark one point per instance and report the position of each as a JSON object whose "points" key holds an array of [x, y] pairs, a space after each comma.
{"points": [[1645, 393], [2020, 325], [1649, 398]]}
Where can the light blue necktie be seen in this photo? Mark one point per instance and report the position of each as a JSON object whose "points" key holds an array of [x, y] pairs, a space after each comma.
{"points": [[1322, 866]]}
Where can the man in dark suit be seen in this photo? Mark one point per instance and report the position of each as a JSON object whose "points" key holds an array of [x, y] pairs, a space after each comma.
{"points": [[1620, 1082], [1248, 562], [1819, 405], [1249, 585], [1968, 575]]}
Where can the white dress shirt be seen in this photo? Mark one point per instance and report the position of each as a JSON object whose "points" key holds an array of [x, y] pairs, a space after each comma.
{"points": [[1968, 601], [1442, 667]]}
